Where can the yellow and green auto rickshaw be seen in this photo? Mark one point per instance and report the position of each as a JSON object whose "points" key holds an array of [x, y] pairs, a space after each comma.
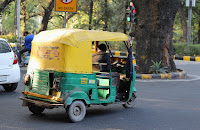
{"points": [[60, 73]]}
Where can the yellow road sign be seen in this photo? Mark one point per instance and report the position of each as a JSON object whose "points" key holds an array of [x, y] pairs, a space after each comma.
{"points": [[66, 5]]}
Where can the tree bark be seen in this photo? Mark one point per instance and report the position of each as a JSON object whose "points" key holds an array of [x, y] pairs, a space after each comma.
{"points": [[46, 16], [4, 4], [154, 32], [24, 14], [199, 32], [69, 17], [183, 21], [90, 14], [106, 16]]}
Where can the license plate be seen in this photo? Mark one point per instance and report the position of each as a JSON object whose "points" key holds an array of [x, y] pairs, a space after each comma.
{"points": [[2, 78]]}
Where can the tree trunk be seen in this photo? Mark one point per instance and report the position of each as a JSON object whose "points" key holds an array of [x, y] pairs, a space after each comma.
{"points": [[4, 4], [15, 20], [106, 16], [69, 17], [154, 32], [90, 14], [24, 14], [199, 32], [183, 21], [46, 16]]}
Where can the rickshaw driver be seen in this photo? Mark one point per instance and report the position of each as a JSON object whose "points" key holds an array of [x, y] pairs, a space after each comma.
{"points": [[103, 58]]}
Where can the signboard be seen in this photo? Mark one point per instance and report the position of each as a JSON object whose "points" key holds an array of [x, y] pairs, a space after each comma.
{"points": [[66, 5], [192, 3]]}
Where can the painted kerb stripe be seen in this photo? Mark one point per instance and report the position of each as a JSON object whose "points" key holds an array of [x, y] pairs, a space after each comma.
{"points": [[187, 58], [173, 75]]}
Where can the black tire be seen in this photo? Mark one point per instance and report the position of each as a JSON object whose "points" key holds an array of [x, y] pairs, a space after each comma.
{"points": [[76, 111], [130, 103], [35, 109], [10, 87]]}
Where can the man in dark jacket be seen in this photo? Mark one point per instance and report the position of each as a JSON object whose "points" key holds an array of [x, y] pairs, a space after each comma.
{"points": [[102, 58], [28, 39]]}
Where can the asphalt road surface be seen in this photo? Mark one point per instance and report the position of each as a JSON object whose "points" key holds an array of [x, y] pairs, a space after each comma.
{"points": [[161, 104]]}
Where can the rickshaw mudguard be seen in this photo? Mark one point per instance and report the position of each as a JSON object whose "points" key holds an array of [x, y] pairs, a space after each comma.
{"points": [[78, 95]]}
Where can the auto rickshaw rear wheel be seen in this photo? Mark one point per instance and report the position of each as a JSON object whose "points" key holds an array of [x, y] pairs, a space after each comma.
{"points": [[35, 109], [76, 111], [130, 103]]}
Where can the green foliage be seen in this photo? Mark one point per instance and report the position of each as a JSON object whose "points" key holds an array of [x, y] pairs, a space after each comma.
{"points": [[177, 29], [10, 38], [8, 19], [186, 50], [32, 10], [157, 68]]}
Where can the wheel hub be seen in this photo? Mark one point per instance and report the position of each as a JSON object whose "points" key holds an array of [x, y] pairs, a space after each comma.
{"points": [[77, 111]]}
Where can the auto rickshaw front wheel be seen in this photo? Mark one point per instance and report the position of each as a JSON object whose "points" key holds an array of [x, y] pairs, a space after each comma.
{"points": [[130, 103], [76, 111], [35, 109]]}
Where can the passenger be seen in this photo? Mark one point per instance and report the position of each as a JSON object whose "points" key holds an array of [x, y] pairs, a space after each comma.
{"points": [[102, 57]]}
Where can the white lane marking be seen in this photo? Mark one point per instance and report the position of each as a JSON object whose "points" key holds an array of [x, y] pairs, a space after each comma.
{"points": [[194, 78]]}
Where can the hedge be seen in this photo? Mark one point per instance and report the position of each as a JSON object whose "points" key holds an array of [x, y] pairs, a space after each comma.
{"points": [[186, 50]]}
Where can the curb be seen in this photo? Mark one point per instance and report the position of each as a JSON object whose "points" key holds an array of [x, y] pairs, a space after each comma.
{"points": [[187, 58], [173, 75]]}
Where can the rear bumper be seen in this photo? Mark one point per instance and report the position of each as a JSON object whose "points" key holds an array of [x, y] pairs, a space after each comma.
{"points": [[12, 74], [44, 104], [51, 98]]}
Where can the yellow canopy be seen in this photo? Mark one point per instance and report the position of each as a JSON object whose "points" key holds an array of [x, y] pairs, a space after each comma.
{"points": [[75, 37], [67, 50]]}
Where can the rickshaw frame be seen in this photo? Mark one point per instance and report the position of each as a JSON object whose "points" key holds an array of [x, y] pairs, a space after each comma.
{"points": [[56, 78]]}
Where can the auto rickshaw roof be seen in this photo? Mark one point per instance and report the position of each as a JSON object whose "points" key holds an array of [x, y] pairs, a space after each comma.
{"points": [[74, 37]]}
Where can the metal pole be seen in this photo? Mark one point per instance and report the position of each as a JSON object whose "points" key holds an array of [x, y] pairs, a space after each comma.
{"points": [[65, 21], [18, 20], [189, 23]]}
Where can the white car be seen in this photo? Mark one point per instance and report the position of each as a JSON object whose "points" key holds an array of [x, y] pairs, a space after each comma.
{"points": [[9, 68]]}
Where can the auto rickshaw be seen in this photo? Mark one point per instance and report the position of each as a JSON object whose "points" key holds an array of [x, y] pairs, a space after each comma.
{"points": [[60, 74]]}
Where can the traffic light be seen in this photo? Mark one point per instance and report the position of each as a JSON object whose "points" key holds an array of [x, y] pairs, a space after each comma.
{"points": [[132, 13]]}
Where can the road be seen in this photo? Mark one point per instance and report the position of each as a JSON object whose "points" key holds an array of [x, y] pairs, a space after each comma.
{"points": [[166, 105]]}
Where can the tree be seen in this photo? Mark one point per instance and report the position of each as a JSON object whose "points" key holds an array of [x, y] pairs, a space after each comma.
{"points": [[46, 16], [29, 10], [106, 15], [198, 38], [4, 4], [154, 32], [183, 20], [8, 18], [90, 14], [196, 14], [125, 17]]}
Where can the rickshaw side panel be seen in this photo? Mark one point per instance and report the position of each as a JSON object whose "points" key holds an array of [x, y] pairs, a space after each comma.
{"points": [[83, 86]]}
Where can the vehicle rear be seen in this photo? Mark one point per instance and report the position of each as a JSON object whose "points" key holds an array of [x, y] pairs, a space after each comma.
{"points": [[9, 68], [60, 73]]}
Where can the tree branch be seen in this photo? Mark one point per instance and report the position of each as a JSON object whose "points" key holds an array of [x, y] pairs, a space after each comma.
{"points": [[4, 4]]}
